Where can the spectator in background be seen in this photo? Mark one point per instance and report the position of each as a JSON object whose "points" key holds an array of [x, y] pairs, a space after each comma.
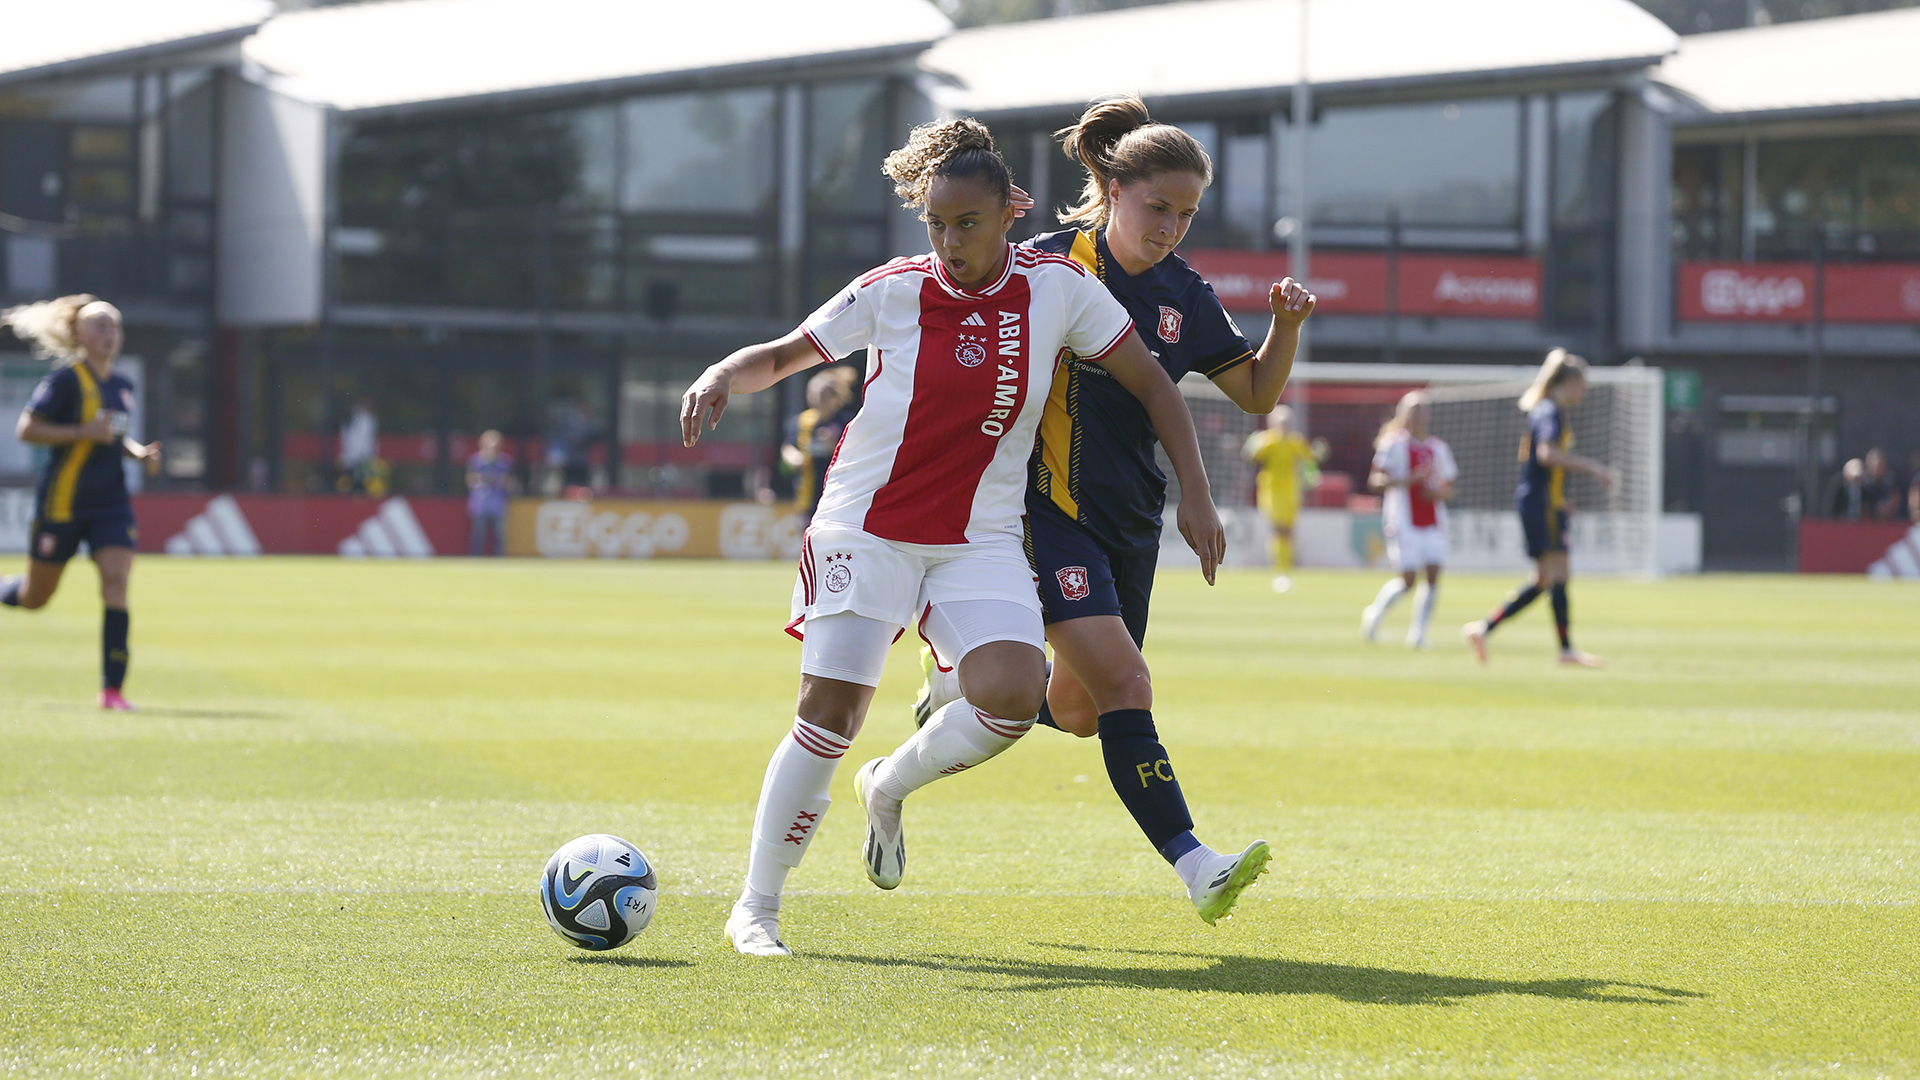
{"points": [[1879, 495], [489, 482], [1848, 499], [359, 458], [567, 449], [814, 434], [1913, 488]]}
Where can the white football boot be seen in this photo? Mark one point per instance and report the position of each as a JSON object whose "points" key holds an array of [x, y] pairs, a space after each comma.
{"points": [[885, 855], [755, 933], [1219, 884], [937, 689], [1370, 617]]}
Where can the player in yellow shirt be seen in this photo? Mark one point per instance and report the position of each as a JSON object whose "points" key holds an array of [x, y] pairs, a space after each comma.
{"points": [[1288, 466]]}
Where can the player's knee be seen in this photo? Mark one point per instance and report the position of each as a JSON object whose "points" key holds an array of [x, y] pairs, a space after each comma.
{"points": [[1012, 698], [1124, 687]]}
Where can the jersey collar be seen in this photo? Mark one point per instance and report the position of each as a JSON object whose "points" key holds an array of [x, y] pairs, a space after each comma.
{"points": [[948, 283]]}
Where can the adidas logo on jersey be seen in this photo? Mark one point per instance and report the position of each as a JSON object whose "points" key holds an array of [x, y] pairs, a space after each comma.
{"points": [[973, 320]]}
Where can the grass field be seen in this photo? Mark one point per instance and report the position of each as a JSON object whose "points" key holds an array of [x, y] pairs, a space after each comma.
{"points": [[314, 852]]}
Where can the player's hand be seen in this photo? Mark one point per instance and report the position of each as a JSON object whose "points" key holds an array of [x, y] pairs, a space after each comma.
{"points": [[703, 404], [149, 456], [1604, 475], [1200, 527], [1290, 301], [1022, 202], [98, 429]]}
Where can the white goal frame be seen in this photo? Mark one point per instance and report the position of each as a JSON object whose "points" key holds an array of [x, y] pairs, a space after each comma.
{"points": [[1622, 537]]}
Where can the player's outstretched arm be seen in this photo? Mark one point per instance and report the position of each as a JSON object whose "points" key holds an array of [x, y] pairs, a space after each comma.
{"points": [[1256, 386], [1555, 458], [751, 369], [31, 429], [1133, 367]]}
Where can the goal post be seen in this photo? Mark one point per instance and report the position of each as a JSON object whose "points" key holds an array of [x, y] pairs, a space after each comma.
{"points": [[1620, 422]]}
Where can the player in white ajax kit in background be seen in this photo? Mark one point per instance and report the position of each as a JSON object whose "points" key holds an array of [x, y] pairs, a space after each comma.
{"points": [[919, 518], [1415, 470]]}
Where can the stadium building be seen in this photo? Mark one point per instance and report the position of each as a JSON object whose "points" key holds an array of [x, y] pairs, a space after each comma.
{"points": [[501, 213]]}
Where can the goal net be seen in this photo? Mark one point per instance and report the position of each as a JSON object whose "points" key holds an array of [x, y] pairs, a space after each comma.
{"points": [[1620, 422]]}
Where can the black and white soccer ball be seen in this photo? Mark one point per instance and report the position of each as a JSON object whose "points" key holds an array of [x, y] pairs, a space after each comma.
{"points": [[598, 892]]}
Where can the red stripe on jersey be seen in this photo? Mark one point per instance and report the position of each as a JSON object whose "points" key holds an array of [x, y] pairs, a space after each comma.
{"points": [[958, 412], [1034, 257], [1419, 496], [902, 265], [819, 348], [1111, 345]]}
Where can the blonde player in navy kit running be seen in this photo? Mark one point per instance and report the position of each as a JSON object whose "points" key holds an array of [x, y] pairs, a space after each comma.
{"points": [[1095, 496], [919, 515], [80, 412]]}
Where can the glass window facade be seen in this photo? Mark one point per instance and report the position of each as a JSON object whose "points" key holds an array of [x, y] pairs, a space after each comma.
{"points": [[1441, 164]]}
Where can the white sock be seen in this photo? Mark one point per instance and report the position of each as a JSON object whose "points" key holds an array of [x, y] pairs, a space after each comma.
{"points": [[956, 738], [1194, 863], [1422, 611], [793, 799], [1388, 594]]}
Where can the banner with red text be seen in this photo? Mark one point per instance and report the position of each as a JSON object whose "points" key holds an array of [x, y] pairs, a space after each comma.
{"points": [[1355, 282], [1783, 292]]}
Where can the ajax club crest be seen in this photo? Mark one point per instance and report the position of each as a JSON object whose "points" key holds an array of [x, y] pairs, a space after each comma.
{"points": [[839, 572], [1073, 582], [1169, 324], [971, 351]]}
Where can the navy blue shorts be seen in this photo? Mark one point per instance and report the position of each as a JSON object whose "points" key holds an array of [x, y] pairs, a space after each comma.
{"points": [[1079, 576], [56, 542], [1546, 528]]}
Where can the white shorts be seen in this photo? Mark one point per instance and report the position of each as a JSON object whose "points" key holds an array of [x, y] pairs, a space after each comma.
{"points": [[960, 595], [1412, 549]]}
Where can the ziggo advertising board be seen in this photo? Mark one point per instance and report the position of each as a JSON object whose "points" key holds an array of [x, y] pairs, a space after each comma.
{"points": [[1783, 292], [651, 529]]}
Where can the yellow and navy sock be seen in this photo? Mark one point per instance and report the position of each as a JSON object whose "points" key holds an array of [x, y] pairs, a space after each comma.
{"points": [[1561, 618], [1516, 603], [1142, 776], [113, 648]]}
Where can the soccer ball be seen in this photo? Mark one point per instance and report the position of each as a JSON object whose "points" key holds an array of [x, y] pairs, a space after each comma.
{"points": [[598, 892]]}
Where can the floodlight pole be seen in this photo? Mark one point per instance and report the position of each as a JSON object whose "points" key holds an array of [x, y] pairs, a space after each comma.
{"points": [[1299, 250]]}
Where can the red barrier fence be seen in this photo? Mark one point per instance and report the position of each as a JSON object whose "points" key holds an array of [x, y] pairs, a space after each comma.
{"points": [[1847, 547], [408, 527]]}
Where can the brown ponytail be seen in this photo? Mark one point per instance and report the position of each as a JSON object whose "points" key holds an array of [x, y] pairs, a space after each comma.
{"points": [[1559, 366], [1117, 139]]}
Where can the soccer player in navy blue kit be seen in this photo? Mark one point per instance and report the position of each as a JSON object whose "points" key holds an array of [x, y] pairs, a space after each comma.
{"points": [[1546, 453], [1095, 495], [81, 411]]}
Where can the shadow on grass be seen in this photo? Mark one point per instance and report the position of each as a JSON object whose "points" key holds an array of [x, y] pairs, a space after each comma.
{"points": [[1266, 975], [208, 714], [628, 961], [153, 711]]}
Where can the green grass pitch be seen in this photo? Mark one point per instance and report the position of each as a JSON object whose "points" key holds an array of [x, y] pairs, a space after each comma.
{"points": [[314, 852]]}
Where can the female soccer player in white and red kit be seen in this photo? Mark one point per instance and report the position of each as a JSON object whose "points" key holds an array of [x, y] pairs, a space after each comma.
{"points": [[919, 517], [1414, 470]]}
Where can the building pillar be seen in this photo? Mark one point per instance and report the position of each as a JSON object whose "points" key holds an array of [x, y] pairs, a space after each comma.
{"points": [[1644, 227]]}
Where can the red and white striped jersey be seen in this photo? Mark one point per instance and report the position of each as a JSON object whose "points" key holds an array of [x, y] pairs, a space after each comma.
{"points": [[957, 380], [1412, 506]]}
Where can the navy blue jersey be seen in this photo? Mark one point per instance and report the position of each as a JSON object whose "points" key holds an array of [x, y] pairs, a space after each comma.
{"points": [[1095, 459], [1538, 482], [81, 477]]}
